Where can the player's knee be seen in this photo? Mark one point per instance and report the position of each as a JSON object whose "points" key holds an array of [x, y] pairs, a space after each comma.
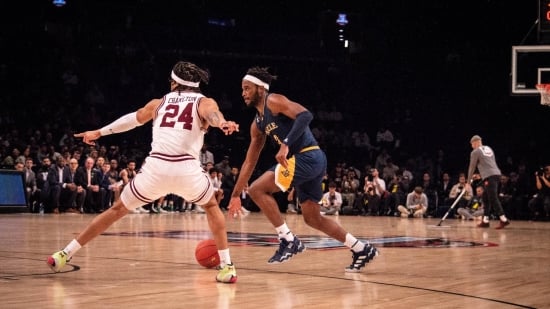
{"points": [[119, 209], [254, 192]]}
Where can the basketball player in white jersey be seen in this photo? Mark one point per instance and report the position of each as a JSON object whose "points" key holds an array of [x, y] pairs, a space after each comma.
{"points": [[180, 119]]}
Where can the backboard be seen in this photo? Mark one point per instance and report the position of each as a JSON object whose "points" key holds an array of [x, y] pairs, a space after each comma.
{"points": [[530, 66]]}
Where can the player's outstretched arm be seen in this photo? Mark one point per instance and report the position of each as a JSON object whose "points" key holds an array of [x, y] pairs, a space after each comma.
{"points": [[122, 124], [210, 112]]}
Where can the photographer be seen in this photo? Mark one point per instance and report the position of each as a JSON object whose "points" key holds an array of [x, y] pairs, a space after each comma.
{"points": [[540, 202], [331, 201], [374, 189], [371, 200]]}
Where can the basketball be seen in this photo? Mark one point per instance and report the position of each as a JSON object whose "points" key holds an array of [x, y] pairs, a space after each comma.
{"points": [[206, 253]]}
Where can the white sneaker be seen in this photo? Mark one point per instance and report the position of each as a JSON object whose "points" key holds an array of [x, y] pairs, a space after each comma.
{"points": [[199, 209], [162, 210], [291, 209], [142, 210]]}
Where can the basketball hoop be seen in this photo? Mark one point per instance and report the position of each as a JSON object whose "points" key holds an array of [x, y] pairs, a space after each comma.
{"points": [[544, 90]]}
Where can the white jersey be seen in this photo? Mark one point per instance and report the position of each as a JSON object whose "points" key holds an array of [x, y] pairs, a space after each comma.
{"points": [[177, 126]]}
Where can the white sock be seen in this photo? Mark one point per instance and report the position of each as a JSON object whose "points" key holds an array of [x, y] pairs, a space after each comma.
{"points": [[503, 218], [224, 257], [284, 232], [353, 243], [72, 248], [485, 219]]}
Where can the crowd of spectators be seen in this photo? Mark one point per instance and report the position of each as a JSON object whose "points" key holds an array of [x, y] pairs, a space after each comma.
{"points": [[88, 75]]}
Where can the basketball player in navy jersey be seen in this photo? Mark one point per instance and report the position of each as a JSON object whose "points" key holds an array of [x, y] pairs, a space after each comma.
{"points": [[300, 164]]}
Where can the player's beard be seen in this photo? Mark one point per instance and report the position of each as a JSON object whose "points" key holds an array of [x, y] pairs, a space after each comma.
{"points": [[255, 100]]}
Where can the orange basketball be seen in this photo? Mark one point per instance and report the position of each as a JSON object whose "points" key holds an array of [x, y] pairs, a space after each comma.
{"points": [[206, 253]]}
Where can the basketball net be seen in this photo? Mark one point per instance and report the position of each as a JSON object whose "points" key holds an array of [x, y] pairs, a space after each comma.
{"points": [[544, 90]]}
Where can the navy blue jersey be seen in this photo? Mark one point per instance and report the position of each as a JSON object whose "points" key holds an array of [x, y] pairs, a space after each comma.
{"points": [[277, 128], [306, 161]]}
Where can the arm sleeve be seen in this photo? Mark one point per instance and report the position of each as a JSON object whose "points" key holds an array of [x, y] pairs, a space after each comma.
{"points": [[122, 124], [298, 127]]}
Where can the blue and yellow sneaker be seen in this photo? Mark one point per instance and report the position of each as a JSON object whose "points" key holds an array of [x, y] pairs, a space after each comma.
{"points": [[360, 259], [287, 249]]}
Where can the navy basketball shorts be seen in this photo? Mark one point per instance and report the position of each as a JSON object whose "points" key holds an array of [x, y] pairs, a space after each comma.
{"points": [[305, 173]]}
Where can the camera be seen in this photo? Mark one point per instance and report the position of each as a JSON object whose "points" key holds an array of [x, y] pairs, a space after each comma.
{"points": [[541, 171]]}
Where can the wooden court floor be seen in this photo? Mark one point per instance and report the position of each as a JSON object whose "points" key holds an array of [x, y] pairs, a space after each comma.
{"points": [[147, 261]]}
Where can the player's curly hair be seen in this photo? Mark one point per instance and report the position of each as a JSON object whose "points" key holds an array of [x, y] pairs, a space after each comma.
{"points": [[190, 72], [262, 74]]}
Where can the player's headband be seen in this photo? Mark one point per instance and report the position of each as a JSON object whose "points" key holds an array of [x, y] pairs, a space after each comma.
{"points": [[256, 81], [184, 82]]}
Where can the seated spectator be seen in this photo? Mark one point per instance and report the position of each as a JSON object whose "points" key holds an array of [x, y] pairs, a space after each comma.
{"points": [[79, 180], [106, 187], [474, 209], [374, 185], [444, 189], [216, 183], [429, 187], [228, 183], [350, 184], [62, 187], [31, 187], [94, 193], [457, 188], [331, 201], [42, 183], [371, 200], [396, 197], [416, 205], [390, 170]]}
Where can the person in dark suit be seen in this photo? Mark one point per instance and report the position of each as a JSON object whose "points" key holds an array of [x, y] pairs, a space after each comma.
{"points": [[228, 183], [79, 180], [444, 186], [31, 187], [105, 185], [91, 176], [62, 188], [42, 182]]}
